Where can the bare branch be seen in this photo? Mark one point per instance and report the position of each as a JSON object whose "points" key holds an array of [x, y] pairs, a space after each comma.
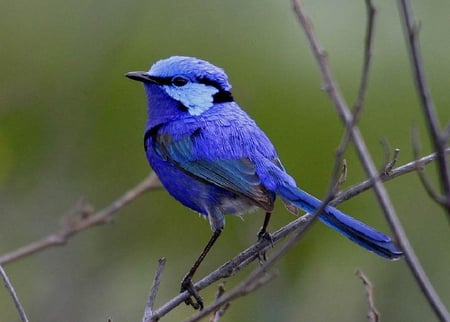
{"points": [[368, 44], [246, 287], [12, 292], [219, 312], [446, 134], [438, 139], [148, 312], [372, 313], [343, 176], [415, 165], [422, 176], [368, 164], [391, 164], [69, 230]]}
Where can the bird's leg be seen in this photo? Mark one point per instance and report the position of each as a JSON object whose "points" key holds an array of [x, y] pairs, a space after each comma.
{"points": [[186, 283], [264, 235]]}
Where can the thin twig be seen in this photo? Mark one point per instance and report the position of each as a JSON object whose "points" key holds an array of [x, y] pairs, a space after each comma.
{"points": [[246, 287], [343, 175], [101, 217], [426, 183], [359, 104], [388, 167], [220, 311], [368, 44], [415, 165], [446, 134], [438, 139], [372, 312], [12, 292], [148, 312], [369, 167]]}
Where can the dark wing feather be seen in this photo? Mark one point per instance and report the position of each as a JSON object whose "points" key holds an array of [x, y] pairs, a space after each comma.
{"points": [[235, 175]]}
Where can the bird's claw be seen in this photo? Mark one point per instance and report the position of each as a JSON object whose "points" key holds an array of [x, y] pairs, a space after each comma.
{"points": [[264, 235], [194, 300]]}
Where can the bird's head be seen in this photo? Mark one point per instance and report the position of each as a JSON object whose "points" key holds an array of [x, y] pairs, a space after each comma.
{"points": [[194, 83]]}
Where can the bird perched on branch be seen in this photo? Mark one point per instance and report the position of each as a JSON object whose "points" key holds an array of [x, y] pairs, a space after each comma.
{"points": [[213, 158]]}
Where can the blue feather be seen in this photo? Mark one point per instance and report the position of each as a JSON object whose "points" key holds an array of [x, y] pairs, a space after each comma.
{"points": [[355, 230]]}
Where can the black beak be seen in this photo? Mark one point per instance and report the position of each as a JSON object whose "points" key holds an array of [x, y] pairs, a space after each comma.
{"points": [[141, 77]]}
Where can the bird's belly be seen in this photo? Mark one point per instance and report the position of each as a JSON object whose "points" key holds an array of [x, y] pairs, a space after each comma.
{"points": [[197, 194]]}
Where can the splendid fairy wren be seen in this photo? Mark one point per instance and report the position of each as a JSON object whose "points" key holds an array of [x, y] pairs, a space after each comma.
{"points": [[213, 158]]}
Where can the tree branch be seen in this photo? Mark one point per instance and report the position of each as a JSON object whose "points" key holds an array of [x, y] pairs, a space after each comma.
{"points": [[372, 313], [72, 228], [368, 44], [426, 183], [438, 139], [148, 312], [12, 292], [344, 113]]}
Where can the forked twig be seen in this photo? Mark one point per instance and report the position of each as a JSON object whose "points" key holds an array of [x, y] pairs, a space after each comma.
{"points": [[103, 216], [438, 138], [372, 313], [148, 312]]}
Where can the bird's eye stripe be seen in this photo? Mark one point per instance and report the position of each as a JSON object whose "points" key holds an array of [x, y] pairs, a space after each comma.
{"points": [[162, 80], [170, 81], [209, 82]]}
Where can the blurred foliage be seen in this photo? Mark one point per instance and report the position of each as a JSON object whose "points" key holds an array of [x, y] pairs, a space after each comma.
{"points": [[71, 125]]}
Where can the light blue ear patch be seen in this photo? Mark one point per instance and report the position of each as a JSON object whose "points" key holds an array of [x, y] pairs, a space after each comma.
{"points": [[196, 97]]}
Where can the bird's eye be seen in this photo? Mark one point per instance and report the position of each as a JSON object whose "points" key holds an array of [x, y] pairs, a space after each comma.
{"points": [[179, 81]]}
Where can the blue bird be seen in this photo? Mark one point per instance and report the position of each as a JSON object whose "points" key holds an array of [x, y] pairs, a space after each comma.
{"points": [[214, 159]]}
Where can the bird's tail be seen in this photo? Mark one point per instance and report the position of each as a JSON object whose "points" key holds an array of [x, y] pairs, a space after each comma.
{"points": [[355, 230]]}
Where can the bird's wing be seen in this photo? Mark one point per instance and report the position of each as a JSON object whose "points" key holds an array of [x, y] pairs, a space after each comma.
{"points": [[235, 175]]}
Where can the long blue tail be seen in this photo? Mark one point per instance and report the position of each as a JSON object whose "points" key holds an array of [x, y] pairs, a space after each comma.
{"points": [[355, 230]]}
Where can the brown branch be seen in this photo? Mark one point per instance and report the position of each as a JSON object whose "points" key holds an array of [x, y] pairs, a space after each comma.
{"points": [[12, 292], [438, 138], [219, 312], [426, 183], [369, 167], [388, 168], [246, 287], [372, 313], [70, 229], [148, 312], [415, 165], [368, 44]]}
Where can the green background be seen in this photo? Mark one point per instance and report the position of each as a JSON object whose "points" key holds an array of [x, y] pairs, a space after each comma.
{"points": [[71, 125]]}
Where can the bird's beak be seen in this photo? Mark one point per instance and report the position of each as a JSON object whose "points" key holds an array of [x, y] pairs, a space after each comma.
{"points": [[141, 77]]}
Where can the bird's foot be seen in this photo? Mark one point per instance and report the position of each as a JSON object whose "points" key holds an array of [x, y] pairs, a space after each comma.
{"points": [[194, 300], [264, 235]]}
